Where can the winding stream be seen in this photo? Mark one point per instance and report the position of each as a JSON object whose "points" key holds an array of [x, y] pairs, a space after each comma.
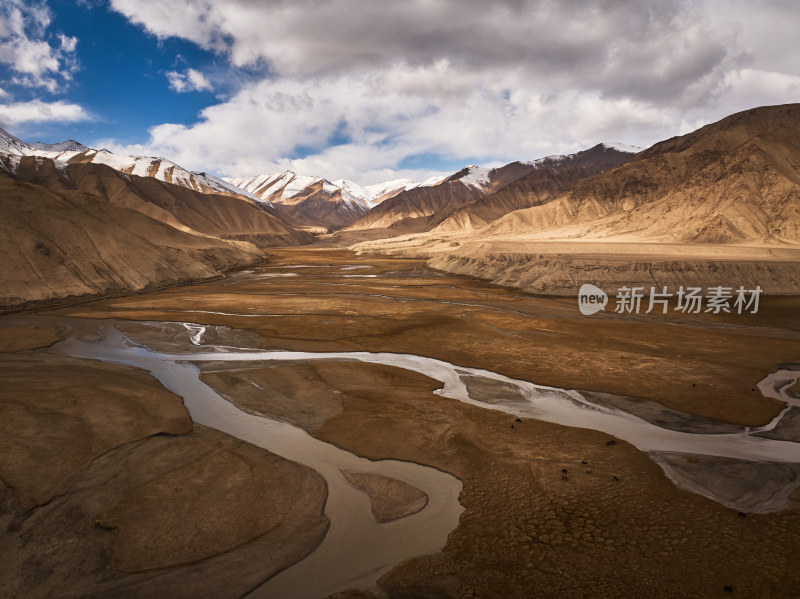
{"points": [[357, 550]]}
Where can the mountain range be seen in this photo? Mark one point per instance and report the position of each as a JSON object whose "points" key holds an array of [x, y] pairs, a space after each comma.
{"points": [[84, 222], [72, 152], [475, 196], [314, 203], [718, 205], [80, 228], [307, 202]]}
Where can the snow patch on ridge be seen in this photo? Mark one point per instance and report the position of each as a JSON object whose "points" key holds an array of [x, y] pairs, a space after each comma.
{"points": [[430, 182], [477, 176], [622, 147], [548, 159], [298, 184]]}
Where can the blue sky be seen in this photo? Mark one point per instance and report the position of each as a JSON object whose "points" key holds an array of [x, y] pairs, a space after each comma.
{"points": [[371, 91], [119, 81]]}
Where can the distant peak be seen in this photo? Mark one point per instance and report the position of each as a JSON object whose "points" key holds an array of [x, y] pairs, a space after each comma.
{"points": [[12, 145], [65, 146], [7, 135]]}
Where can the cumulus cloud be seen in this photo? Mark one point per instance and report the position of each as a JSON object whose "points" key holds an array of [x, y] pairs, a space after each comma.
{"points": [[641, 49], [360, 126], [191, 80], [36, 111], [359, 89], [37, 60]]}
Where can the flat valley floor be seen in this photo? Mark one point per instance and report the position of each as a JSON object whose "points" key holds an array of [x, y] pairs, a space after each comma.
{"points": [[109, 489]]}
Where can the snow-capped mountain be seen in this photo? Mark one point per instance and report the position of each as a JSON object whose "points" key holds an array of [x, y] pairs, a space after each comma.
{"points": [[378, 192], [309, 202], [72, 152], [13, 145], [281, 187], [319, 204], [381, 191], [355, 190], [290, 188], [312, 203]]}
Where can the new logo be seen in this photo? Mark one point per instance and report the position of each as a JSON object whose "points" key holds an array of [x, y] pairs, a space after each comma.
{"points": [[591, 299]]}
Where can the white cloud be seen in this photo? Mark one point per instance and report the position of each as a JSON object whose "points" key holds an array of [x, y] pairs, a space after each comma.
{"points": [[25, 47], [362, 127], [642, 49], [356, 89], [37, 111], [754, 87], [68, 43], [191, 80]]}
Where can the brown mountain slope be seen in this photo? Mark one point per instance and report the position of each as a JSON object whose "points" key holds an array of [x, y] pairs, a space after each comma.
{"points": [[473, 196], [423, 207], [187, 210], [552, 176], [87, 230], [735, 181], [416, 209]]}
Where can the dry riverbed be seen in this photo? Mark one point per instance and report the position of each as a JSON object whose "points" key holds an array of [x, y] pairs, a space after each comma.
{"points": [[550, 510]]}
